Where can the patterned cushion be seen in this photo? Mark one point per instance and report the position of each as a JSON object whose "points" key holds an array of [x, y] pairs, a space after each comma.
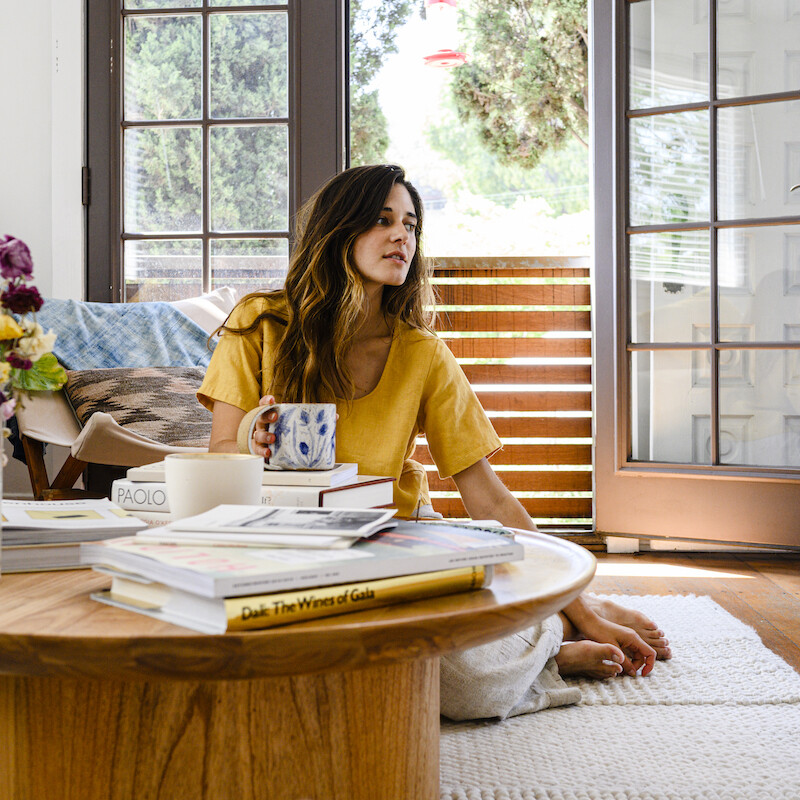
{"points": [[156, 402]]}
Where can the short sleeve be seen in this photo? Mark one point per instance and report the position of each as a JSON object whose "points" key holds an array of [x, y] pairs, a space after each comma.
{"points": [[458, 432], [234, 375]]}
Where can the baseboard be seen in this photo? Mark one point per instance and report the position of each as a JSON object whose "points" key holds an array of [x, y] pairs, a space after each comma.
{"points": [[632, 544]]}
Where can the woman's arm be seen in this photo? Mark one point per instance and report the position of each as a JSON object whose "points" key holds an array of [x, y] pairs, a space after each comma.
{"points": [[225, 427], [485, 497]]}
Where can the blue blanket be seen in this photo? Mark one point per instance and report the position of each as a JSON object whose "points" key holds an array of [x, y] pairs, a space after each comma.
{"points": [[106, 335]]}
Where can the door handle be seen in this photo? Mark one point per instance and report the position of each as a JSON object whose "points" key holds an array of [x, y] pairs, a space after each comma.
{"points": [[796, 186]]}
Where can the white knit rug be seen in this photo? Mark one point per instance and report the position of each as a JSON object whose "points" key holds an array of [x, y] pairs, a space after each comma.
{"points": [[719, 721]]}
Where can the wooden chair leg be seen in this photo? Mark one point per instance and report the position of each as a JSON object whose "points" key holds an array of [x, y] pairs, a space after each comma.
{"points": [[37, 471], [61, 488], [64, 481], [70, 472]]}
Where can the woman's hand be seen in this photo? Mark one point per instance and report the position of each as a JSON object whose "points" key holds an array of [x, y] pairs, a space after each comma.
{"points": [[262, 438]]}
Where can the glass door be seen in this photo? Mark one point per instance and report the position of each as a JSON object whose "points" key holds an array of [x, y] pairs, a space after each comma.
{"points": [[706, 264]]}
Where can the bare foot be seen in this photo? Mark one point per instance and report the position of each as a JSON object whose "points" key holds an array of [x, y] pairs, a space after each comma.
{"points": [[645, 627], [589, 659]]}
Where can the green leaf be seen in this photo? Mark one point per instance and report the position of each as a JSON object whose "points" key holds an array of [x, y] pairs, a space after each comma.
{"points": [[46, 374]]}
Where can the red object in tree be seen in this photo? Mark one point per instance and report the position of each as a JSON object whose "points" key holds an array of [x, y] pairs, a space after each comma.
{"points": [[442, 31], [445, 58]]}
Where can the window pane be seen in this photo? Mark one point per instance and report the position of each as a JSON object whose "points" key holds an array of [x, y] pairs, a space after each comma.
{"points": [[669, 168], [735, 366], [249, 65], [758, 48], [670, 410], [668, 53], [163, 67], [762, 420], [156, 4], [759, 160], [161, 180], [248, 2], [670, 277], [759, 283], [249, 178], [249, 265], [163, 270]]}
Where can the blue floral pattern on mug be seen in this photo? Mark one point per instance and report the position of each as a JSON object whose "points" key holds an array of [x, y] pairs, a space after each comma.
{"points": [[305, 436]]}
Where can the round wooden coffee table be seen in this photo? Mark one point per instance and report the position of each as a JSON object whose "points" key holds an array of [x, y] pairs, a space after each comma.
{"points": [[101, 704]]}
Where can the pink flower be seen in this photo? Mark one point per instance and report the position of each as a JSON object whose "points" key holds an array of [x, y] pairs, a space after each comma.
{"points": [[21, 299], [7, 408], [15, 258]]}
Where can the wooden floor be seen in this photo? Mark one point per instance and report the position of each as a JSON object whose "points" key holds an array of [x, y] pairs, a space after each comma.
{"points": [[762, 590]]}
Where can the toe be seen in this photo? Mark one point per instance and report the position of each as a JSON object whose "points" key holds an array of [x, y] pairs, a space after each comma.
{"points": [[644, 623], [605, 669], [609, 669]]}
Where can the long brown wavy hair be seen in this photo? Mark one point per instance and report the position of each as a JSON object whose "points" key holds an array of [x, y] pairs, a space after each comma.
{"points": [[324, 293]]}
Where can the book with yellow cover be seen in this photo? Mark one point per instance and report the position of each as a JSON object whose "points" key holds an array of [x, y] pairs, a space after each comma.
{"points": [[218, 615]]}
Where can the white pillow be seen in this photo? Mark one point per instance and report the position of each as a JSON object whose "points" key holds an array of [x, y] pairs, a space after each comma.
{"points": [[210, 310]]}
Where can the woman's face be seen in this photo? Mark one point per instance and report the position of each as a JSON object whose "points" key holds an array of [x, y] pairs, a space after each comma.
{"points": [[383, 254]]}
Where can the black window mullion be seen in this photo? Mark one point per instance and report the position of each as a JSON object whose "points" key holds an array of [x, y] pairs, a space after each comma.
{"points": [[713, 293], [102, 148], [206, 139], [625, 355], [291, 121]]}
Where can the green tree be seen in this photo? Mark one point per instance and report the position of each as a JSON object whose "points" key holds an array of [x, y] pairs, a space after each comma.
{"points": [[525, 84], [372, 38], [561, 177], [248, 78]]}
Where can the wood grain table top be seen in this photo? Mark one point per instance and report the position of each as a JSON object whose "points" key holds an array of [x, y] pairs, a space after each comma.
{"points": [[49, 626]]}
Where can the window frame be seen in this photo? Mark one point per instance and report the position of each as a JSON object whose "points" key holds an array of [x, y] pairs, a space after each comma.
{"points": [[317, 124]]}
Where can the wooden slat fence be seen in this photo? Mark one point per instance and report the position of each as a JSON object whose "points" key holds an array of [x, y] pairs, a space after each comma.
{"points": [[521, 328]]}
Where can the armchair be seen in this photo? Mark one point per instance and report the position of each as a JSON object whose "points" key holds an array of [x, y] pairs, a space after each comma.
{"points": [[49, 418]]}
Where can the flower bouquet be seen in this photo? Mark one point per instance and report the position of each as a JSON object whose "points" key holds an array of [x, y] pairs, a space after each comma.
{"points": [[26, 363]]}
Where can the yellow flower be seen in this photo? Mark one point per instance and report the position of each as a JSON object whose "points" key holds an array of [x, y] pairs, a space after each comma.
{"points": [[9, 329], [35, 342], [5, 371]]}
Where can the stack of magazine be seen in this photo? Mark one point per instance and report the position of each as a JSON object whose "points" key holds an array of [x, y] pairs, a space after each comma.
{"points": [[143, 490], [44, 536], [238, 568]]}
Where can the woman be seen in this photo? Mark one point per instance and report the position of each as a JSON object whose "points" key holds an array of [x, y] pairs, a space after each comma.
{"points": [[352, 326]]}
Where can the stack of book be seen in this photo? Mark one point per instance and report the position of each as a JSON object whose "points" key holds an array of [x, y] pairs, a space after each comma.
{"points": [[44, 536], [247, 567], [143, 490]]}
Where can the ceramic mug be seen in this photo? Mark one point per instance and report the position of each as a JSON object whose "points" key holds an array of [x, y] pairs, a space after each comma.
{"points": [[305, 435], [196, 482]]}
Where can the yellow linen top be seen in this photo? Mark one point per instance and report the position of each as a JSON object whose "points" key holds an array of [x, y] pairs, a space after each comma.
{"points": [[422, 390]]}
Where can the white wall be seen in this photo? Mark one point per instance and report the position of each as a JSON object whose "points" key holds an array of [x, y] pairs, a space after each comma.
{"points": [[41, 149]]}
